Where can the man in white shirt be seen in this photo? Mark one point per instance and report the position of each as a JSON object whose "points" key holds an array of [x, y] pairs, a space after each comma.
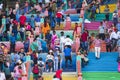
{"points": [[68, 42], [114, 38], [62, 38]]}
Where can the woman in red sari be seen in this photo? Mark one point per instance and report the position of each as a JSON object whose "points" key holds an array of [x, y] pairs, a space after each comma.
{"points": [[77, 30]]}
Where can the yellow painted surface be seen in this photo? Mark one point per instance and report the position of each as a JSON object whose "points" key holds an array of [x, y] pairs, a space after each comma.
{"points": [[112, 8], [64, 77]]}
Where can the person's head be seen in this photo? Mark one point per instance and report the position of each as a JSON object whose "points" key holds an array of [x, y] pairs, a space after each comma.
{"points": [[40, 78], [76, 24], [48, 31], [40, 59], [50, 52], [32, 16], [101, 23], [67, 36], [78, 53], [97, 36], [79, 74], [54, 32], [62, 33], [21, 50], [92, 34]]}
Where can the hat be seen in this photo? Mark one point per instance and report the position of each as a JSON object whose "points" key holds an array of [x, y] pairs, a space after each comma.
{"points": [[50, 51], [19, 62]]}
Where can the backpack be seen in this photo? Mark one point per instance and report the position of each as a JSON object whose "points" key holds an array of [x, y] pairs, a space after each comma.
{"points": [[35, 70]]}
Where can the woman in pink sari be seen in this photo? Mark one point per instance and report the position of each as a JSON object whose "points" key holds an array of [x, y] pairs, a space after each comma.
{"points": [[77, 43], [54, 36], [82, 12], [67, 23]]}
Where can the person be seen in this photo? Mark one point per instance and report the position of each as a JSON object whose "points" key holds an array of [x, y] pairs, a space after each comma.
{"points": [[108, 43], [107, 12], [35, 72], [2, 76], [79, 76], [118, 45], [78, 59], [56, 53], [62, 38], [77, 42], [118, 60], [50, 61], [12, 43], [92, 38], [67, 23], [55, 78], [40, 78], [97, 42], [115, 18], [67, 52], [101, 31], [84, 39], [41, 66], [77, 30], [7, 71], [59, 74], [54, 36], [113, 38], [68, 42]]}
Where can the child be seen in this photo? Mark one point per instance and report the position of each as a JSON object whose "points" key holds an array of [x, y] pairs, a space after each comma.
{"points": [[67, 52], [41, 66], [108, 43], [92, 38], [97, 42], [35, 72]]}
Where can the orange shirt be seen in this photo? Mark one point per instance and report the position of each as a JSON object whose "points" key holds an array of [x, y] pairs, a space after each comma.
{"points": [[45, 29]]}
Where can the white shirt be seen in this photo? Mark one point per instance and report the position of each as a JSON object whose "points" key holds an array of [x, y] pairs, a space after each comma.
{"points": [[113, 35], [62, 38], [56, 79], [2, 76], [47, 1], [1, 6], [118, 33], [68, 41]]}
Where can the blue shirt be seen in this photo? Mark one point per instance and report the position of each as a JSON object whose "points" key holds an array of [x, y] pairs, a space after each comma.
{"points": [[12, 39], [67, 51], [37, 19], [118, 26]]}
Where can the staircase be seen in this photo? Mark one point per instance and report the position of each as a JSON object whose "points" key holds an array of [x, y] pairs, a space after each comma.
{"points": [[106, 63]]}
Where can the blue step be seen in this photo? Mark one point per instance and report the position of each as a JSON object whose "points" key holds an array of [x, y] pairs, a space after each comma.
{"points": [[107, 62]]}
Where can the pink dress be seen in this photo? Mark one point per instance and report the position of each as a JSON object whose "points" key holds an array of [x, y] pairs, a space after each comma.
{"points": [[37, 30], [67, 24], [78, 31], [82, 12], [77, 43], [53, 41], [80, 78]]}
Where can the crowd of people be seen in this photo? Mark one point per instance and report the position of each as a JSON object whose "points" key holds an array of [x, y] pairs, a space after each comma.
{"points": [[38, 35]]}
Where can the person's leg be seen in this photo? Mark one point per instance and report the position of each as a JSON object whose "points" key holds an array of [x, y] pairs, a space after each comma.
{"points": [[70, 60], [107, 47], [96, 52], [119, 50], [98, 55], [66, 60]]}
